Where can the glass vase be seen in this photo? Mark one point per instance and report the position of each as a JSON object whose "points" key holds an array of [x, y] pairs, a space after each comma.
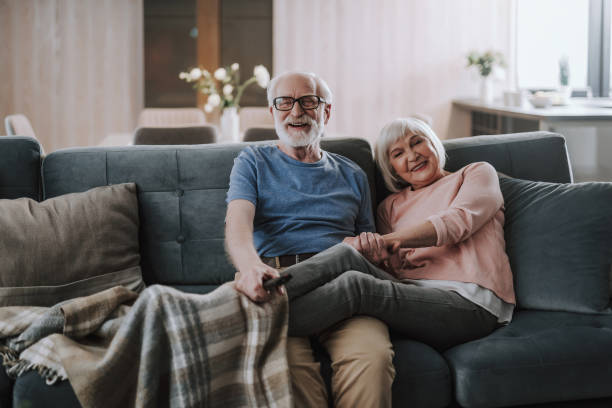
{"points": [[230, 125], [486, 90]]}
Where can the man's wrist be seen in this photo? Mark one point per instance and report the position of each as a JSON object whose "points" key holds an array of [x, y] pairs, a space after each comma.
{"points": [[246, 264]]}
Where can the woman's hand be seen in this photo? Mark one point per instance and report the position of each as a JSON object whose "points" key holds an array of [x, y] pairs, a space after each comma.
{"points": [[418, 236], [371, 245]]}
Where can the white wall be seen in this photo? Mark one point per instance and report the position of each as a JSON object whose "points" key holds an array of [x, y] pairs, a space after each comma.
{"points": [[389, 58], [73, 67]]}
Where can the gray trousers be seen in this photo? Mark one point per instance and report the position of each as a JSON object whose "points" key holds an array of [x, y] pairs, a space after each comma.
{"points": [[339, 283]]}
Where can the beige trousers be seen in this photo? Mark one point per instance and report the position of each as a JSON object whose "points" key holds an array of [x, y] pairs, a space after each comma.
{"points": [[362, 366]]}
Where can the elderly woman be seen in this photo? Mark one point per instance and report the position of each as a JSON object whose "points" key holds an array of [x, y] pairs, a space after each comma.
{"points": [[438, 273]]}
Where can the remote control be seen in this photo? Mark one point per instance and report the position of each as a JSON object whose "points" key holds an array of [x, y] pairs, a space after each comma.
{"points": [[274, 282]]}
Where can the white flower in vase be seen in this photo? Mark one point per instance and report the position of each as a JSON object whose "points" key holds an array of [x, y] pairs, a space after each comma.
{"points": [[227, 90], [220, 74], [214, 100], [223, 87], [195, 74], [261, 75]]}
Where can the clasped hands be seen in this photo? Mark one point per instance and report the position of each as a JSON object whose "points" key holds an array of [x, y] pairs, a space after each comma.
{"points": [[375, 247]]}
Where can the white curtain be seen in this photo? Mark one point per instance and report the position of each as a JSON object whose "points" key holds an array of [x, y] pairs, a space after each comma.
{"points": [[390, 58]]}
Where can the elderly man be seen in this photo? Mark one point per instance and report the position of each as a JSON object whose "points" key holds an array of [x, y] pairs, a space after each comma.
{"points": [[287, 202]]}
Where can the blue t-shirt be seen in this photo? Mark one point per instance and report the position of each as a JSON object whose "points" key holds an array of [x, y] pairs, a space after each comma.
{"points": [[301, 207]]}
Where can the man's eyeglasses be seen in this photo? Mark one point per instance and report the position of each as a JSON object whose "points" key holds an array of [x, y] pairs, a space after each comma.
{"points": [[307, 102]]}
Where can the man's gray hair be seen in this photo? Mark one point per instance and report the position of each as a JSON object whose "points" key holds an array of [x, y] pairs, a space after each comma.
{"points": [[322, 88], [390, 134]]}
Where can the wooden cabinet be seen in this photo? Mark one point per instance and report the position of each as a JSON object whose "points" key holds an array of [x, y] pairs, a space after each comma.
{"points": [[486, 123], [585, 123]]}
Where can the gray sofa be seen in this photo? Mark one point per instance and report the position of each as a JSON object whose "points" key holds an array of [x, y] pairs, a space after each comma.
{"points": [[546, 355]]}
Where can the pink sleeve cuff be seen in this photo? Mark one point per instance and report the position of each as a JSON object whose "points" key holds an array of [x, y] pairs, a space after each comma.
{"points": [[440, 228]]}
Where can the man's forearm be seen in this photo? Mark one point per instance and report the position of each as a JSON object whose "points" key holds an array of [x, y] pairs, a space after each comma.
{"points": [[239, 234], [240, 248]]}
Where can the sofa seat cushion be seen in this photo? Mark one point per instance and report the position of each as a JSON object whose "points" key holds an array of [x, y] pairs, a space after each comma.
{"points": [[6, 389], [539, 357], [30, 390], [422, 376], [422, 380]]}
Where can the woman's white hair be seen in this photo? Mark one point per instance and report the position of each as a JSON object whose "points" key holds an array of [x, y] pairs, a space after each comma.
{"points": [[390, 134], [322, 87]]}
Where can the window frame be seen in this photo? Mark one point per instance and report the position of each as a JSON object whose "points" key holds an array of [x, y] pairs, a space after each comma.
{"points": [[598, 64]]}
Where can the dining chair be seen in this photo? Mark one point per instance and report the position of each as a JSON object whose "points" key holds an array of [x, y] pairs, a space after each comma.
{"points": [[171, 117], [181, 135], [256, 134], [18, 125], [255, 116]]}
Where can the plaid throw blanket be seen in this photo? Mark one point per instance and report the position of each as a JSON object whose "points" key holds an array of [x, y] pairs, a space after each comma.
{"points": [[168, 349]]}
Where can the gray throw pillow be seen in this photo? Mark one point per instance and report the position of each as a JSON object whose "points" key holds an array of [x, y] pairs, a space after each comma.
{"points": [[69, 246], [559, 241]]}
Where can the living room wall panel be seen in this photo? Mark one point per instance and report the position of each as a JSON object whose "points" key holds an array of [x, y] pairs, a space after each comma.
{"points": [[390, 58], [74, 68], [5, 68]]}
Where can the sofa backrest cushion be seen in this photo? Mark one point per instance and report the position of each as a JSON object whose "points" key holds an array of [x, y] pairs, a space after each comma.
{"points": [[538, 156], [19, 167], [181, 195], [559, 242], [68, 246]]}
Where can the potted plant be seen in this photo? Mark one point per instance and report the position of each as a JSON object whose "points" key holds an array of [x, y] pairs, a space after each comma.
{"points": [[486, 63], [565, 91]]}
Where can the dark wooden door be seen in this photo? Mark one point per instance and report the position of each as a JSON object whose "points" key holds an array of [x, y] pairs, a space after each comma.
{"points": [[172, 35]]}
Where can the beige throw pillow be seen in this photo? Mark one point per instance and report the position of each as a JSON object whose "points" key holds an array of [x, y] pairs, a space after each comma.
{"points": [[69, 246]]}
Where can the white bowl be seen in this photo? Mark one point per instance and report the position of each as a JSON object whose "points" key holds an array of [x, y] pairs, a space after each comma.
{"points": [[541, 101]]}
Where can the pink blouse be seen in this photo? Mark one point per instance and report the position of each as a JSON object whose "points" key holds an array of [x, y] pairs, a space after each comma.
{"points": [[466, 210]]}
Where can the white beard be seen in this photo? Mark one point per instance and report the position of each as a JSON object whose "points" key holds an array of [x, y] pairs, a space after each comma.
{"points": [[302, 138]]}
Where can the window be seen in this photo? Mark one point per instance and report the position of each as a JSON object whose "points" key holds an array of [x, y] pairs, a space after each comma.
{"points": [[546, 31]]}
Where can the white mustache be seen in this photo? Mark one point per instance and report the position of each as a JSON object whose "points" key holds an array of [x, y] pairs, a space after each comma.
{"points": [[304, 120]]}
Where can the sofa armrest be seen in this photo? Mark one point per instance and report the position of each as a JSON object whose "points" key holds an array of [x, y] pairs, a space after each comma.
{"points": [[20, 159]]}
